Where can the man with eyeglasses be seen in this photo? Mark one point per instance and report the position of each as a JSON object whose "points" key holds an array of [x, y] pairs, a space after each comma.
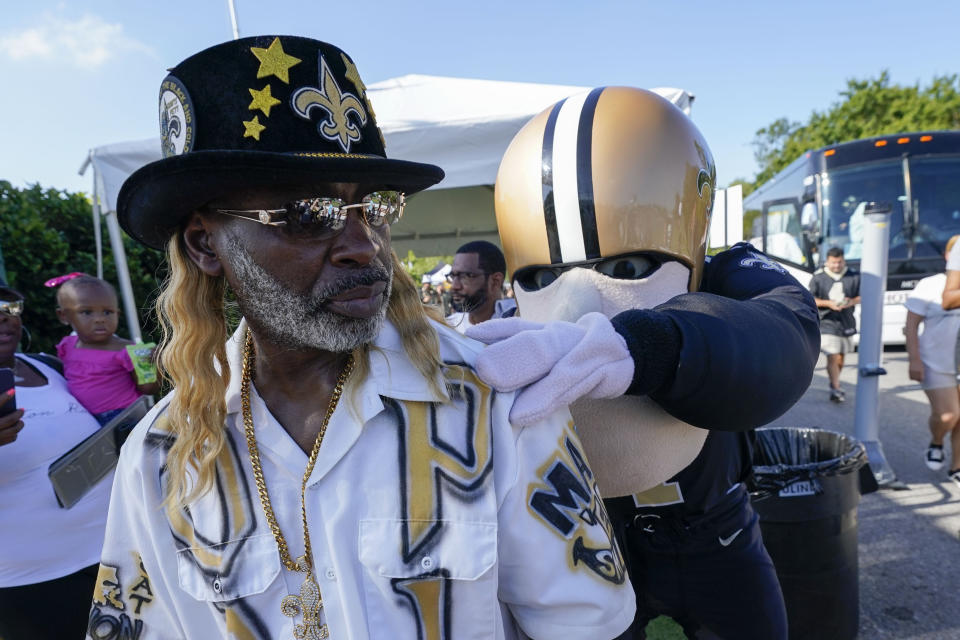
{"points": [[334, 468], [476, 284]]}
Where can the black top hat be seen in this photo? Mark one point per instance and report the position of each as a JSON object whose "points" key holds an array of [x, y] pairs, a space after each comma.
{"points": [[267, 111]]}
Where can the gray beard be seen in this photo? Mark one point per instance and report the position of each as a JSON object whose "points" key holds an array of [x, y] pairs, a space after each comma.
{"points": [[297, 321]]}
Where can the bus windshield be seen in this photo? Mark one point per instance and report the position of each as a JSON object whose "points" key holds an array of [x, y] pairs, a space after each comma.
{"points": [[935, 186], [845, 194]]}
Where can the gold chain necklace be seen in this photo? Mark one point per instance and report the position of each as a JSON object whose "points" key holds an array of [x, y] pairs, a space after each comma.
{"points": [[309, 602]]}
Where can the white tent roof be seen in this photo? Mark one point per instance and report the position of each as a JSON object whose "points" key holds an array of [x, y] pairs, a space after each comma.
{"points": [[459, 124], [462, 125]]}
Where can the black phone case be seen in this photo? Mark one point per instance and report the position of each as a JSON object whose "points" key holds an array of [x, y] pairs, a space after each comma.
{"points": [[77, 471], [6, 383]]}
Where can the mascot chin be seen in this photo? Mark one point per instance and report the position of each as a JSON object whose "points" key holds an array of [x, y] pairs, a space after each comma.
{"points": [[601, 211]]}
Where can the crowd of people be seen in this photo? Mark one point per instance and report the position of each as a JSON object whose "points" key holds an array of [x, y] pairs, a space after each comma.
{"points": [[345, 463]]}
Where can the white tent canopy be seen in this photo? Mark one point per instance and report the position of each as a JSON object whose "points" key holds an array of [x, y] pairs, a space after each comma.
{"points": [[462, 125]]}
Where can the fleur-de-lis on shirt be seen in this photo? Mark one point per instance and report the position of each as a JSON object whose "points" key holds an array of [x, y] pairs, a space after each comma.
{"points": [[338, 106]]}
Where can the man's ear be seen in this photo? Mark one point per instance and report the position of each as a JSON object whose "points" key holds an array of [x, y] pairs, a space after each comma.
{"points": [[496, 281], [198, 241]]}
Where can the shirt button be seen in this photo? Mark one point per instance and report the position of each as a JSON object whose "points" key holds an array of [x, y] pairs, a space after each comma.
{"points": [[218, 586], [427, 562], [331, 574]]}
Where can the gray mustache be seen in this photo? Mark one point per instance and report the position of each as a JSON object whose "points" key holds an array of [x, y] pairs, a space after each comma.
{"points": [[365, 277]]}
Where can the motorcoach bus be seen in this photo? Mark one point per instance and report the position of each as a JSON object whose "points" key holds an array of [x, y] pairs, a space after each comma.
{"points": [[818, 202]]}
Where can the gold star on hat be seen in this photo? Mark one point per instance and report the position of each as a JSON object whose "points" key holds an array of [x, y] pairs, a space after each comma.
{"points": [[353, 75], [252, 128], [274, 61], [262, 100]]}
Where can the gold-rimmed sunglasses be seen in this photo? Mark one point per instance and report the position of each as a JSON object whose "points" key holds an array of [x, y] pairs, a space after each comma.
{"points": [[11, 307], [325, 214]]}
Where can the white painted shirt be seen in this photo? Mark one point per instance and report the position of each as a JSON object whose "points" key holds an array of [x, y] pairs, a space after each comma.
{"points": [[937, 341], [427, 519]]}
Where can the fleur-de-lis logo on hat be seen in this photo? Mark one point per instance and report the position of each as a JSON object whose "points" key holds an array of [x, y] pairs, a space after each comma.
{"points": [[338, 106]]}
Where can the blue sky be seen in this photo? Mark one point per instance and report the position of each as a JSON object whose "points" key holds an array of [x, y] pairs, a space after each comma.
{"points": [[85, 73]]}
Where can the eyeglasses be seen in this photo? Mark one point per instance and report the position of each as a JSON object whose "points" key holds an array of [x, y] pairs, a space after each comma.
{"points": [[11, 307], [463, 275], [327, 215]]}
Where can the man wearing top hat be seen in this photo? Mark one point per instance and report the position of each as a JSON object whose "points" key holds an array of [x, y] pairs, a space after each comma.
{"points": [[334, 468]]}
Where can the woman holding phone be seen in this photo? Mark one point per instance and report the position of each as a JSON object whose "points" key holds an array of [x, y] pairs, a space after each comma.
{"points": [[48, 555]]}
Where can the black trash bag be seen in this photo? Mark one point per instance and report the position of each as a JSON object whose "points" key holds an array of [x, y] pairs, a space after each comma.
{"points": [[785, 458]]}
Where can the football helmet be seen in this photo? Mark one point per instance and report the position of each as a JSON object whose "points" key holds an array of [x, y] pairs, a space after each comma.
{"points": [[607, 173]]}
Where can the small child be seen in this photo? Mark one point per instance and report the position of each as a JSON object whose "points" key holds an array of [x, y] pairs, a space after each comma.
{"points": [[96, 363]]}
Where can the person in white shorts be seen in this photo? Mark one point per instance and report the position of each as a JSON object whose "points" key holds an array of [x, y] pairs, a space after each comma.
{"points": [[933, 363], [836, 290]]}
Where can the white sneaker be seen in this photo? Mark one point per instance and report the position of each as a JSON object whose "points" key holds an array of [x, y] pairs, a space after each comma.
{"points": [[955, 476], [934, 458]]}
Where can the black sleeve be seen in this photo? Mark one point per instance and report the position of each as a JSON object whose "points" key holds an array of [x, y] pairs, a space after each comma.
{"points": [[733, 356], [815, 287]]}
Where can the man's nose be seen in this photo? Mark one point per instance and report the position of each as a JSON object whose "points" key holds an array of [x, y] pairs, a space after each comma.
{"points": [[357, 243]]}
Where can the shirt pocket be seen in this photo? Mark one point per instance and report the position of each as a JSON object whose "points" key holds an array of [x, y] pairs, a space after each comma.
{"points": [[232, 570], [449, 584]]}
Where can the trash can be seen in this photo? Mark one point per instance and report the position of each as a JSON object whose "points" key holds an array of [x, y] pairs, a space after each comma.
{"points": [[806, 488]]}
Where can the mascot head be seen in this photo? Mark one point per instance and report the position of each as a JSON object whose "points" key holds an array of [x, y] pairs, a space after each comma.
{"points": [[603, 203]]}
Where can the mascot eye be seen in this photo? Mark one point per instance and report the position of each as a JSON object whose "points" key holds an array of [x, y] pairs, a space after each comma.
{"points": [[628, 267], [536, 279], [543, 277]]}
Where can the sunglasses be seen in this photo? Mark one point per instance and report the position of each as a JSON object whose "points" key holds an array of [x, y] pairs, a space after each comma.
{"points": [[326, 215], [11, 307]]}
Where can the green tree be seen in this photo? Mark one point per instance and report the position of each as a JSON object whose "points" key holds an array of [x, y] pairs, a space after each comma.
{"points": [[867, 108], [47, 233]]}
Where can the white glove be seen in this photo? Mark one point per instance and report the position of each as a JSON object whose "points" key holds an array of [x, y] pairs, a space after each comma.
{"points": [[558, 363]]}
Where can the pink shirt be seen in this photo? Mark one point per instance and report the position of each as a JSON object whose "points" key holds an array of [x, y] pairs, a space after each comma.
{"points": [[100, 380]]}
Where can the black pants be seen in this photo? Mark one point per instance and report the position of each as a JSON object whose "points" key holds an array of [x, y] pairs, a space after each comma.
{"points": [[713, 577], [53, 609]]}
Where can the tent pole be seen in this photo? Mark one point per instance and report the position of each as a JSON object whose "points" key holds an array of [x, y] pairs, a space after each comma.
{"points": [[233, 19], [97, 234], [123, 276]]}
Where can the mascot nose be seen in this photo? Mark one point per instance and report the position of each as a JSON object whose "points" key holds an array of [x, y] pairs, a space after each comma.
{"points": [[577, 298]]}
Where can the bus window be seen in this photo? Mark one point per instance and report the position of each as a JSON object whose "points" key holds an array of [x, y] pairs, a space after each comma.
{"points": [[935, 184], [784, 232], [845, 194], [810, 224]]}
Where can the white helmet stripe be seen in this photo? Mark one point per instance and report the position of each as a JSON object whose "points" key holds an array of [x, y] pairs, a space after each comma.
{"points": [[566, 195]]}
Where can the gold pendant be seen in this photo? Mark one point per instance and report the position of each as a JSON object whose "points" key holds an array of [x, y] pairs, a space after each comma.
{"points": [[307, 604]]}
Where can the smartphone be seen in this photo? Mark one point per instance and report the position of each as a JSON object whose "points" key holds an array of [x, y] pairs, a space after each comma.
{"points": [[77, 471], [6, 383]]}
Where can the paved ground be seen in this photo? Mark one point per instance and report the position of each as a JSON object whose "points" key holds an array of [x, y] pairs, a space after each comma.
{"points": [[909, 540]]}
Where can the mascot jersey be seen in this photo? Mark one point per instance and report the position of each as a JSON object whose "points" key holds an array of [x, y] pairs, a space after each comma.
{"points": [[724, 354]]}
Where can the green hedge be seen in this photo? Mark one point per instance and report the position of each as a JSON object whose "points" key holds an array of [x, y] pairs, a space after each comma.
{"points": [[46, 233]]}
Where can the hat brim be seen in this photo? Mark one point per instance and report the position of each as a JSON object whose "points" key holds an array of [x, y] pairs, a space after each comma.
{"points": [[155, 199]]}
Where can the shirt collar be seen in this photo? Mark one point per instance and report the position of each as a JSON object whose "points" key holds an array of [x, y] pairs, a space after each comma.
{"points": [[391, 372]]}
